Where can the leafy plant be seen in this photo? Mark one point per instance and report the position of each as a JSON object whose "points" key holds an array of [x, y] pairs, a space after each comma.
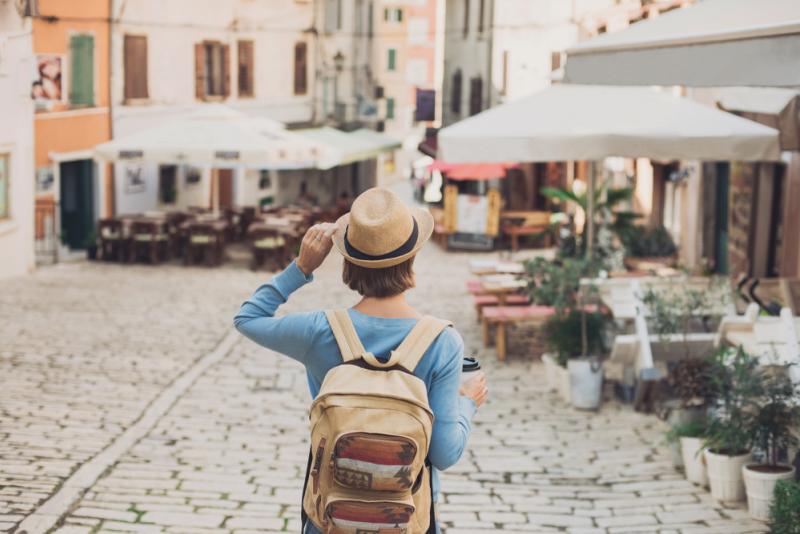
{"points": [[691, 429], [557, 283], [737, 384], [691, 381], [91, 239], [776, 417], [785, 510], [562, 334], [644, 242]]}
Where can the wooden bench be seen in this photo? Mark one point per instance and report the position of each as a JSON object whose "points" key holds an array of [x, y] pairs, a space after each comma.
{"points": [[484, 301], [500, 316]]}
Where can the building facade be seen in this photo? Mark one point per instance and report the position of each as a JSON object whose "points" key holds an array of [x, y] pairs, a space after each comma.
{"points": [[70, 90], [16, 143]]}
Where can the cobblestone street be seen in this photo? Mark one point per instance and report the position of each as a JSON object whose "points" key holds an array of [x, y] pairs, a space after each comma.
{"points": [[129, 404]]}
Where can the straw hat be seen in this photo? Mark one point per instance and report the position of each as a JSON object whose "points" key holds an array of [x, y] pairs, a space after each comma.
{"points": [[381, 231]]}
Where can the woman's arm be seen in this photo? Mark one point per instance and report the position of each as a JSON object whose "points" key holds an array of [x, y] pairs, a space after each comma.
{"points": [[452, 412], [291, 334]]}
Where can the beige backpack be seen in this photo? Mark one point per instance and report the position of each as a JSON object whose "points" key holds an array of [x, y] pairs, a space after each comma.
{"points": [[370, 434]]}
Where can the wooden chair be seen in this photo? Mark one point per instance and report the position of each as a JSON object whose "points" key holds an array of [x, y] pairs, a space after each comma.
{"points": [[521, 223], [268, 245], [204, 244], [149, 240], [113, 242]]}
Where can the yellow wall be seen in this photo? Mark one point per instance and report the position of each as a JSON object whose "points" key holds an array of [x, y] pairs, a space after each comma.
{"points": [[62, 129]]}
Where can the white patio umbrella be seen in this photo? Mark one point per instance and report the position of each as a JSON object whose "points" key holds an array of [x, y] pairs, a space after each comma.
{"points": [[712, 43], [574, 122]]}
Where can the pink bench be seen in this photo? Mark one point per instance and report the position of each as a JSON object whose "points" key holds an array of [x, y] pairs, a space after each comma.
{"points": [[484, 301], [502, 315]]}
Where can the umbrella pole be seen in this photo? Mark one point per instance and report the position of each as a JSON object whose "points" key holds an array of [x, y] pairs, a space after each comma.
{"points": [[589, 224]]}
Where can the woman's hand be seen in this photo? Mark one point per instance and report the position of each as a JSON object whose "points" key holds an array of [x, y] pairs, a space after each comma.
{"points": [[475, 389], [315, 247]]}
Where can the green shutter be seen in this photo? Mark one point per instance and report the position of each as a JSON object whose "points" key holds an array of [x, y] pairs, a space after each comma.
{"points": [[399, 14], [392, 60], [390, 108], [81, 49]]}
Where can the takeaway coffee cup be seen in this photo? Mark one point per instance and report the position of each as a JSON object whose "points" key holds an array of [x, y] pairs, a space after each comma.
{"points": [[469, 368]]}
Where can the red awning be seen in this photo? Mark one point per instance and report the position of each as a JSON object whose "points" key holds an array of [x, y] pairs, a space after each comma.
{"points": [[472, 171]]}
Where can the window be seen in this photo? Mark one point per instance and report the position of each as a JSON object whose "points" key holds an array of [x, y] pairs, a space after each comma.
{"points": [[333, 15], [245, 57], [390, 108], [466, 19], [81, 48], [4, 183], [481, 13], [391, 60], [370, 14], [455, 96], [212, 70], [475, 96], [300, 69], [393, 14], [135, 65]]}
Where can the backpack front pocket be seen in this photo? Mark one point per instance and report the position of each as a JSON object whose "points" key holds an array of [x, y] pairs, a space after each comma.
{"points": [[351, 516], [375, 462]]}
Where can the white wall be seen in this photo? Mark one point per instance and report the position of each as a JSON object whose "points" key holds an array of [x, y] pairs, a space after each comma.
{"points": [[16, 141]]}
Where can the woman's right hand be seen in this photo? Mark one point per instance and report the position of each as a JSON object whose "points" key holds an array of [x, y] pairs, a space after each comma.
{"points": [[475, 389], [315, 247]]}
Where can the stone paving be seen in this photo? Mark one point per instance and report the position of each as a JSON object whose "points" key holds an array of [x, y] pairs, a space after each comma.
{"points": [[87, 348]]}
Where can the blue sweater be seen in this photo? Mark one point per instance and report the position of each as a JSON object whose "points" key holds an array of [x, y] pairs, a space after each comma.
{"points": [[307, 338]]}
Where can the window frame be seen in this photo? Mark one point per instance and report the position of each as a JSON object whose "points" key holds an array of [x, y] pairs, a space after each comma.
{"points": [[390, 108], [248, 89], [128, 97]]}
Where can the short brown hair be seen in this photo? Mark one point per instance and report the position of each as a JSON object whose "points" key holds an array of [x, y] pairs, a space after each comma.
{"points": [[379, 283]]}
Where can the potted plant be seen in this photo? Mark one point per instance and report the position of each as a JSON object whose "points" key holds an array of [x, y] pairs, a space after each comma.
{"points": [[91, 245], [648, 248], [784, 516], [737, 384], [691, 436], [772, 429]]}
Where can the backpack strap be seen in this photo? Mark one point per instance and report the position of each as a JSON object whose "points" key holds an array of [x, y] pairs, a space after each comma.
{"points": [[416, 343], [346, 337]]}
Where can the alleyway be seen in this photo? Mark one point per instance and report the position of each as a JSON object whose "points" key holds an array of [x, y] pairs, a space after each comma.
{"points": [[142, 411]]}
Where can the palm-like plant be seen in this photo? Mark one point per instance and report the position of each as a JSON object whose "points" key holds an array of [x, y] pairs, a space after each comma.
{"points": [[606, 199]]}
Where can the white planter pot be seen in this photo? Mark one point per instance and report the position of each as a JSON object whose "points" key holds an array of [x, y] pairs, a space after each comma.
{"points": [[586, 383], [562, 378], [693, 463], [760, 487], [676, 455], [550, 372], [725, 476]]}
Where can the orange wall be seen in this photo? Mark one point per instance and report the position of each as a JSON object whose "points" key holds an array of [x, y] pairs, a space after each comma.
{"points": [[77, 130]]}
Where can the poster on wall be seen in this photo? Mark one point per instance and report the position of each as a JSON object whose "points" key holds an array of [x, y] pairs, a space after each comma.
{"points": [[48, 80], [134, 181], [193, 176], [473, 211]]}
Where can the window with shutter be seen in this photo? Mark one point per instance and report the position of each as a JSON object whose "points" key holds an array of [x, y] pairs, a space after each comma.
{"points": [[475, 96], [481, 13], [390, 108], [135, 49], [245, 62], [200, 71], [81, 49], [214, 63], [391, 60], [455, 97], [466, 18], [300, 69]]}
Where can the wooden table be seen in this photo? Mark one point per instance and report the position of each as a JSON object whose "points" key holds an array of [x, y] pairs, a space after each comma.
{"points": [[502, 285], [495, 266]]}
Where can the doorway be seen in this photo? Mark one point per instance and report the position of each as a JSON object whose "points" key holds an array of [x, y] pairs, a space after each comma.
{"points": [[225, 177], [77, 202]]}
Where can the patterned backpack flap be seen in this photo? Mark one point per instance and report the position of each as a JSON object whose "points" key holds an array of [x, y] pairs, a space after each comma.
{"points": [[371, 428]]}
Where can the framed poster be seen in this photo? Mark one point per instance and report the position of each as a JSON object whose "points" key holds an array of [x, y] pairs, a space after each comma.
{"points": [[48, 84], [134, 181]]}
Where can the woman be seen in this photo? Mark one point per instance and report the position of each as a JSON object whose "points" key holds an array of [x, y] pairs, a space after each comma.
{"points": [[379, 239]]}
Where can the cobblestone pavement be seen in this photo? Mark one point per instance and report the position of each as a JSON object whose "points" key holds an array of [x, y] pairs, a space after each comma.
{"points": [[227, 452]]}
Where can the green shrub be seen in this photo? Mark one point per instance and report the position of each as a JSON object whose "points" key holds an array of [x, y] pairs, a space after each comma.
{"points": [[785, 511], [563, 334], [691, 429], [644, 242]]}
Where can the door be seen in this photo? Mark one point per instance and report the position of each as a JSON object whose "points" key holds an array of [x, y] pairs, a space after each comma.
{"points": [[77, 203], [225, 177], [721, 219]]}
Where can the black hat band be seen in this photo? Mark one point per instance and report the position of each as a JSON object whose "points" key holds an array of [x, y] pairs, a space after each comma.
{"points": [[405, 248]]}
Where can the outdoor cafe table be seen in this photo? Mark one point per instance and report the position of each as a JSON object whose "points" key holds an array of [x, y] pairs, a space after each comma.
{"points": [[501, 286], [493, 266]]}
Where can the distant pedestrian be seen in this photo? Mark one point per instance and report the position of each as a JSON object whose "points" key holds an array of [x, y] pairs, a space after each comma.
{"points": [[389, 409]]}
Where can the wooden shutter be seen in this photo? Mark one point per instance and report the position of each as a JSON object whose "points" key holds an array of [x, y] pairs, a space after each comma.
{"points": [[245, 59], [226, 70], [392, 59], [300, 69], [390, 108], [135, 66], [200, 71], [466, 18], [455, 97], [82, 70], [481, 13]]}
